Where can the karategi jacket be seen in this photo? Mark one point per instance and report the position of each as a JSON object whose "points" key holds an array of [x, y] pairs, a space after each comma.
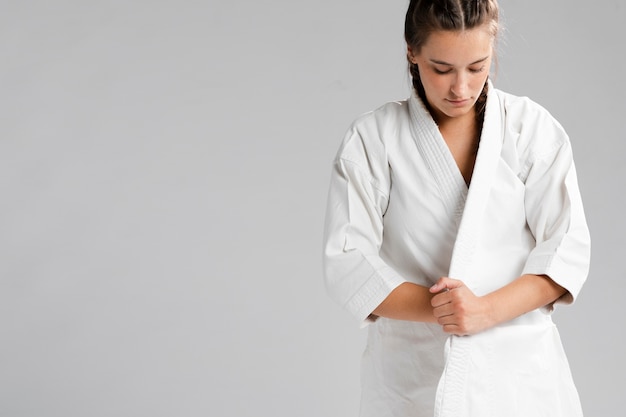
{"points": [[399, 210]]}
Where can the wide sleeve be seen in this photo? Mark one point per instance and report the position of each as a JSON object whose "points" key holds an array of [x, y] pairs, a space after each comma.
{"points": [[555, 215], [355, 275]]}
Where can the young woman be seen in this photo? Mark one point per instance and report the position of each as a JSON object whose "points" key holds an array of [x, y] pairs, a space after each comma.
{"points": [[454, 225]]}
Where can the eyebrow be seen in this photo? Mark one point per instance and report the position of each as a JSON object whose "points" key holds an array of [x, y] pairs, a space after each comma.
{"points": [[436, 61]]}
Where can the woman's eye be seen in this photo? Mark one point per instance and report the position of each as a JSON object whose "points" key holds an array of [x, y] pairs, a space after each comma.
{"points": [[439, 71], [477, 70]]}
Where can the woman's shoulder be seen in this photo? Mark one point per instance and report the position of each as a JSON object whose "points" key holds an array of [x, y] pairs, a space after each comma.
{"points": [[523, 108], [384, 116], [371, 132], [530, 124]]}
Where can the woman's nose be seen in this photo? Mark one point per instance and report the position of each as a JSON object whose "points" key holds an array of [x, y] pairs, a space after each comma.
{"points": [[459, 85]]}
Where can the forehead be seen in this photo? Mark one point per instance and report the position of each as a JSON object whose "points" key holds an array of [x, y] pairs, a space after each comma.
{"points": [[458, 47]]}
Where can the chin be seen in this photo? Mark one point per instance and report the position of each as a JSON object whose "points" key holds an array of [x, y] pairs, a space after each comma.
{"points": [[458, 112]]}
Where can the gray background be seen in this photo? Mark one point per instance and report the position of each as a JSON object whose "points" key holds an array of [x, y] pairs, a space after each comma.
{"points": [[163, 172]]}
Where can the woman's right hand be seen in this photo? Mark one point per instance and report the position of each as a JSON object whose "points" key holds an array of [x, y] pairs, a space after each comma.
{"points": [[458, 310]]}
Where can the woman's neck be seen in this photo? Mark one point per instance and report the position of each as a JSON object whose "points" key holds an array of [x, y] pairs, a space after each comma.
{"points": [[462, 137], [458, 127]]}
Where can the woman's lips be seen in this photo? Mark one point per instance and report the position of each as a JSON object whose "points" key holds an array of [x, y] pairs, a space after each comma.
{"points": [[458, 103]]}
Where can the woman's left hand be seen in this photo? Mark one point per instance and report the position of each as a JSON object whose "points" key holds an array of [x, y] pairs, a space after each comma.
{"points": [[458, 309]]}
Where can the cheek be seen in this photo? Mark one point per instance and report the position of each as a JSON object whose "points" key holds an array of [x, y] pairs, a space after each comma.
{"points": [[435, 83], [479, 82]]}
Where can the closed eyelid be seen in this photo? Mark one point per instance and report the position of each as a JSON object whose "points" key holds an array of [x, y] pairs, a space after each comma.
{"points": [[450, 69], [447, 64], [442, 71], [444, 67]]}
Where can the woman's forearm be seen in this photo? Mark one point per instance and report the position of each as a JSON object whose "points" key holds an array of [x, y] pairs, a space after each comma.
{"points": [[407, 302], [525, 294]]}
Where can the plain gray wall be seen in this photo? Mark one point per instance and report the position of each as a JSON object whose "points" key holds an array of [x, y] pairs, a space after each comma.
{"points": [[163, 172]]}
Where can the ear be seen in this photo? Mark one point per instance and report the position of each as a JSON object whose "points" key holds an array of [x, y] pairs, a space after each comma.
{"points": [[411, 55]]}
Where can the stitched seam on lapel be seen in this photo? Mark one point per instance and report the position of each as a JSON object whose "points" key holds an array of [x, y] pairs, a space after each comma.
{"points": [[452, 188]]}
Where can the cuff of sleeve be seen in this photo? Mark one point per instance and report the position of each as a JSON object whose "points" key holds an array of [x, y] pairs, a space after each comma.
{"points": [[561, 272], [372, 293]]}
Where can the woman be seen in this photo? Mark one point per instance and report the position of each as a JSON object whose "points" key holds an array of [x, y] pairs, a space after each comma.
{"points": [[454, 225]]}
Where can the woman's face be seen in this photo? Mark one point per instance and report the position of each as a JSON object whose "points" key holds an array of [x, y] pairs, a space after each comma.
{"points": [[453, 67]]}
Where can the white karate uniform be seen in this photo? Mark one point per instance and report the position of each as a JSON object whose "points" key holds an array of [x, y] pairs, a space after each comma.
{"points": [[400, 211]]}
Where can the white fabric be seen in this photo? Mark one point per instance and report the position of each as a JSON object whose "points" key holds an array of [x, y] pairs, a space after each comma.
{"points": [[399, 210]]}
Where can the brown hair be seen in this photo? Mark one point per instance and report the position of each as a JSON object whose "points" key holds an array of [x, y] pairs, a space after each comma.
{"points": [[424, 17]]}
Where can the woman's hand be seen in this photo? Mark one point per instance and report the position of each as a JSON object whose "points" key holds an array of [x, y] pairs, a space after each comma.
{"points": [[458, 310]]}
